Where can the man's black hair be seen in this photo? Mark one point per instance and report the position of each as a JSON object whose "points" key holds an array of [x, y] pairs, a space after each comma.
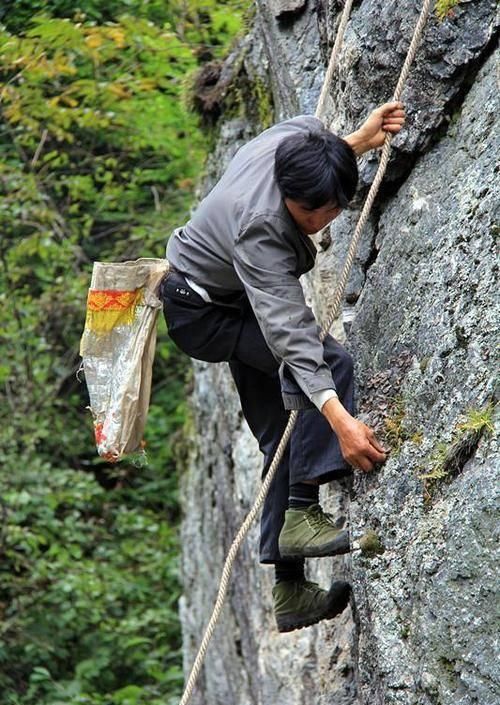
{"points": [[316, 168]]}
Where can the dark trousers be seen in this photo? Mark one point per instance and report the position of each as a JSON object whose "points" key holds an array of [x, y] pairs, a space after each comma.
{"points": [[217, 333]]}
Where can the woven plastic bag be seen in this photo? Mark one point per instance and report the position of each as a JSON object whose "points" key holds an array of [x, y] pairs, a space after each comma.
{"points": [[117, 347]]}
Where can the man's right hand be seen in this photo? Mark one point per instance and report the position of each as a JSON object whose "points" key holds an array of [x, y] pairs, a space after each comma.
{"points": [[358, 443]]}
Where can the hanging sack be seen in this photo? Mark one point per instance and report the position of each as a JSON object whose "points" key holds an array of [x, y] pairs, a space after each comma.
{"points": [[117, 347]]}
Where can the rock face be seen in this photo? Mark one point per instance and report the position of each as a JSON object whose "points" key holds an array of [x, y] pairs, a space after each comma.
{"points": [[421, 320], [428, 304]]}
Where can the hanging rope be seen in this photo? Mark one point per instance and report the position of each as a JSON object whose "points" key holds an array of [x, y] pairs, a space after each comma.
{"points": [[339, 39], [332, 315]]}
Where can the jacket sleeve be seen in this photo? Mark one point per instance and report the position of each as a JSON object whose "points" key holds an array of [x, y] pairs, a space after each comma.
{"points": [[265, 262]]}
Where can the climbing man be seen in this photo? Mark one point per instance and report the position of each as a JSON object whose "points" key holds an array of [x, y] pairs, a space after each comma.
{"points": [[233, 294]]}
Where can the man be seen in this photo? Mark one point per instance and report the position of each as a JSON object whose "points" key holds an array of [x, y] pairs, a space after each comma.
{"points": [[234, 294]]}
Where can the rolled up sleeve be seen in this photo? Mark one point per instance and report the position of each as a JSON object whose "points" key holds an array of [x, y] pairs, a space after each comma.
{"points": [[265, 261]]}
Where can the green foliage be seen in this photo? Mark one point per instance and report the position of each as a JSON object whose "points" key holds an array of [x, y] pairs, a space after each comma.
{"points": [[437, 463], [394, 431], [447, 459], [99, 157], [397, 429], [478, 420], [206, 26], [89, 588], [417, 438], [444, 8], [250, 97]]}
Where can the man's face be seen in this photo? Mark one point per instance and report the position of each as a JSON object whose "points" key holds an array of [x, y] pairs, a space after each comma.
{"points": [[311, 221]]}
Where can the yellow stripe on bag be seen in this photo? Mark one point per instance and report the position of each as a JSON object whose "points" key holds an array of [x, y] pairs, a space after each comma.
{"points": [[107, 309]]}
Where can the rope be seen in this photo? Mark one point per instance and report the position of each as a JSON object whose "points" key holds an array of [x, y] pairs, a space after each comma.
{"points": [[339, 38], [228, 564], [384, 159]]}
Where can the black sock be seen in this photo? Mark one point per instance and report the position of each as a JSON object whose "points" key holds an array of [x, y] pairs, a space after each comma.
{"points": [[289, 570], [303, 495]]}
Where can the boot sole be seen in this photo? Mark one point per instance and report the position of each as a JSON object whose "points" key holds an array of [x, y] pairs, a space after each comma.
{"points": [[336, 547], [291, 622]]}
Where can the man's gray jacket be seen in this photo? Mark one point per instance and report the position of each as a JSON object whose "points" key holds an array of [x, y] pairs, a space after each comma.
{"points": [[242, 237]]}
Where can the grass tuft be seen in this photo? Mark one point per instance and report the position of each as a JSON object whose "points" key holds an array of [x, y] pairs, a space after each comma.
{"points": [[444, 8], [448, 459]]}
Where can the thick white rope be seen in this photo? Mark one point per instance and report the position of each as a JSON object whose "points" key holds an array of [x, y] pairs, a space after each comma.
{"points": [[333, 312], [384, 159], [339, 39]]}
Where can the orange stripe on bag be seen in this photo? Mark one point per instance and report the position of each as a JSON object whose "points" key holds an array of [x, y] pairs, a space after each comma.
{"points": [[107, 309]]}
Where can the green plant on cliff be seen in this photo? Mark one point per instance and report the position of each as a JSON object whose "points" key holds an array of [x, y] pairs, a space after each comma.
{"points": [[397, 429], [448, 459], [394, 430], [228, 88], [444, 8]]}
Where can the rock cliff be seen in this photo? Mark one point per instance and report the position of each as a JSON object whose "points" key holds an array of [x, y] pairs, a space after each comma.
{"points": [[420, 318]]}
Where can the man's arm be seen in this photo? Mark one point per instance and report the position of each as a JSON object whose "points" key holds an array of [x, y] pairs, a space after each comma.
{"points": [[358, 442], [265, 259], [263, 263], [389, 117]]}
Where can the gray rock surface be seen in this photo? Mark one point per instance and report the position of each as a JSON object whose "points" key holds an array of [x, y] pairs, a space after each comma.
{"points": [[432, 293], [282, 7], [422, 323]]}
